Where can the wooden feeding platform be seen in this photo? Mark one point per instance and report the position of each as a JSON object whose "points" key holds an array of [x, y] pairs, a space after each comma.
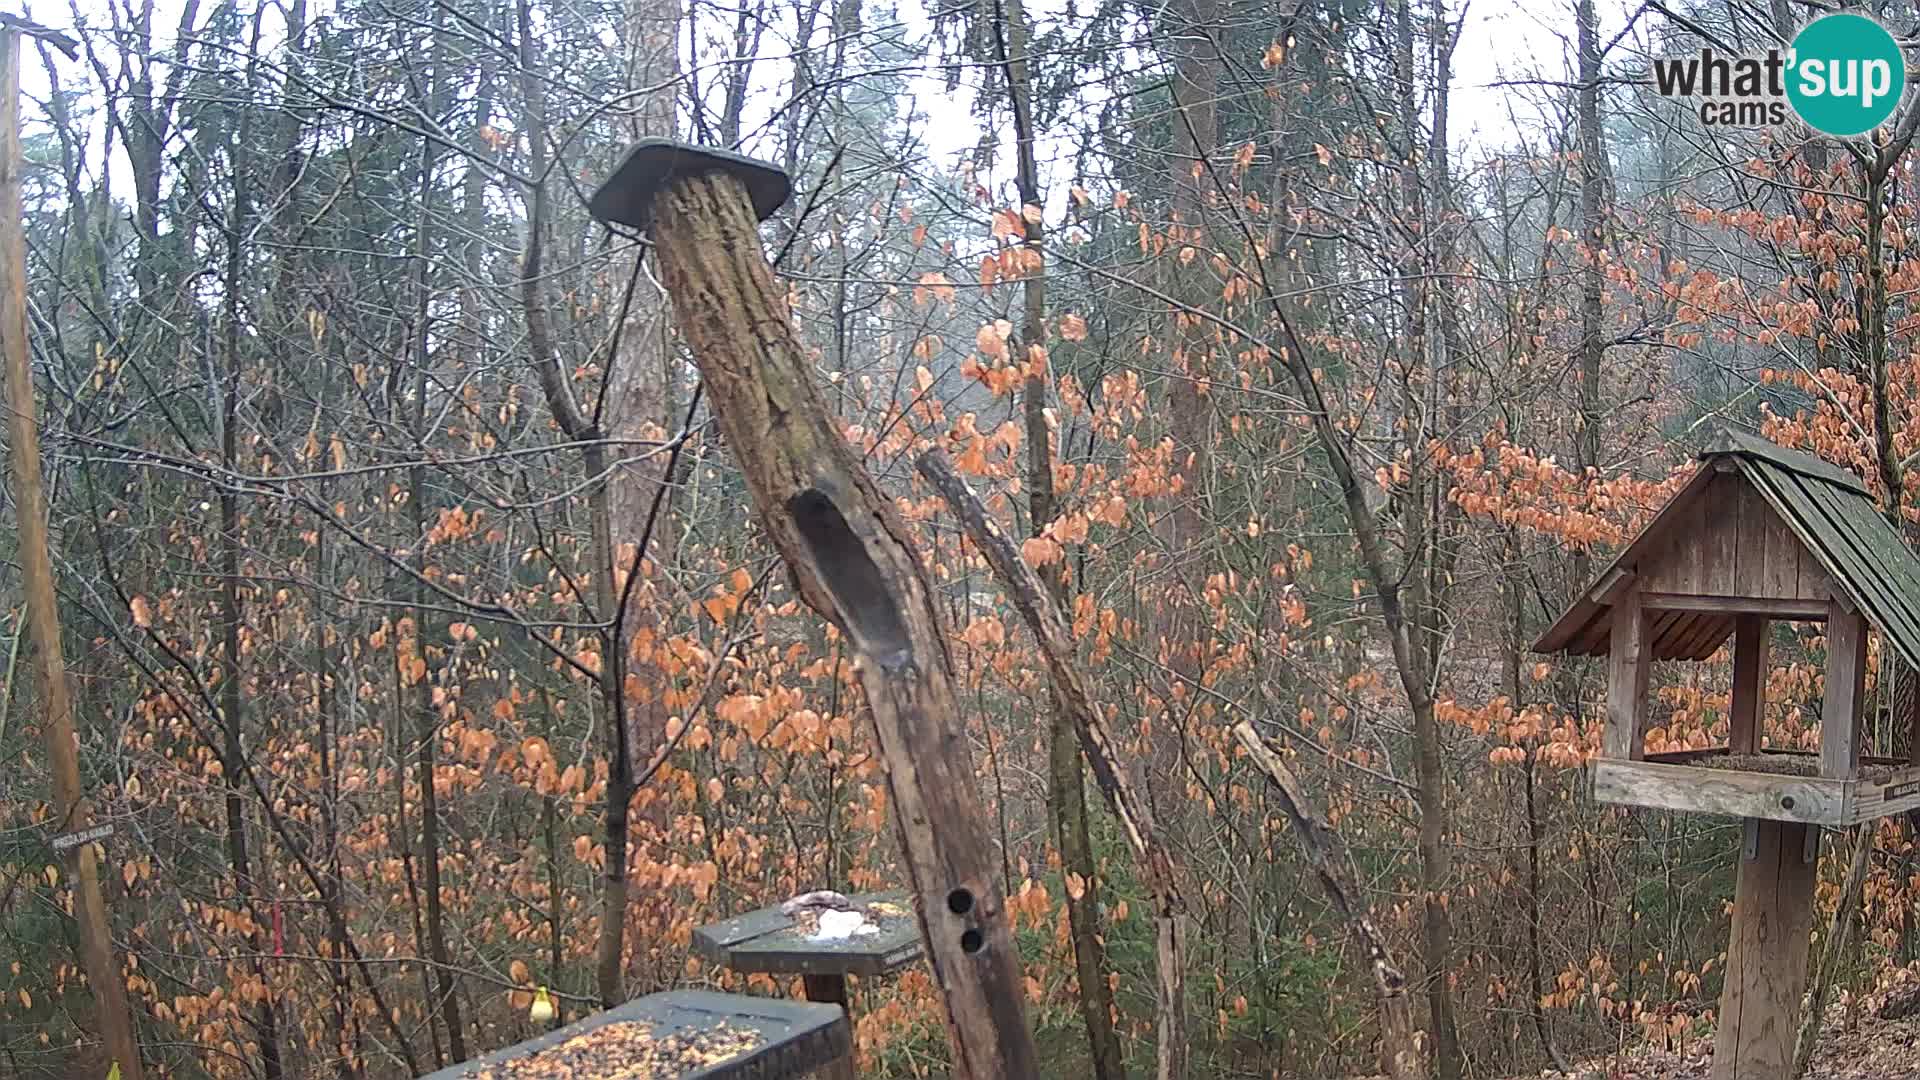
{"points": [[1775, 784], [791, 939], [770, 940], [1760, 533], [678, 1035]]}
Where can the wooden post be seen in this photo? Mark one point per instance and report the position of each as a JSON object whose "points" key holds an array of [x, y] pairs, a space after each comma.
{"points": [[831, 989], [1747, 715], [1767, 957], [1903, 713], [844, 543], [43, 614], [1845, 691], [1628, 661], [1906, 707]]}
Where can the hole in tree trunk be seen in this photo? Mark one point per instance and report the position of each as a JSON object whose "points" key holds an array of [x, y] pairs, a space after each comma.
{"points": [[859, 590]]}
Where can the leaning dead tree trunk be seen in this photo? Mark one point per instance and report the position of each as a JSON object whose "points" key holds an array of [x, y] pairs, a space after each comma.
{"points": [[1073, 697], [846, 547], [1399, 1048]]}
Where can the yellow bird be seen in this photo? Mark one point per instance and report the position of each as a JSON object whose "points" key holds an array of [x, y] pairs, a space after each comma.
{"points": [[542, 1008]]}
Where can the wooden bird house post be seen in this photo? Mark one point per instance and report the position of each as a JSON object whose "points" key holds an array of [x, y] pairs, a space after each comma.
{"points": [[847, 548], [1760, 533]]}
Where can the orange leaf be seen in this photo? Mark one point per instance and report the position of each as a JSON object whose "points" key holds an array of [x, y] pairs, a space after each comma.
{"points": [[990, 343], [1039, 551], [142, 614]]}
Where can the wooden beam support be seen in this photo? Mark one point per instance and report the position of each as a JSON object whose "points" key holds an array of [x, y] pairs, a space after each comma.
{"points": [[846, 545], [832, 990], [1746, 718], [1773, 607], [1611, 584], [1906, 707], [1698, 789], [1767, 956], [1845, 693], [1628, 660]]}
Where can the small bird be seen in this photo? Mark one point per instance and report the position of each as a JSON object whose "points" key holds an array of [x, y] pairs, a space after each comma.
{"points": [[817, 900], [542, 1009]]}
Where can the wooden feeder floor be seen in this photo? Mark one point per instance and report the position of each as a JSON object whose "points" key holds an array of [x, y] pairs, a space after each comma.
{"points": [[1779, 785], [768, 940], [628, 1051], [1783, 765], [677, 1035]]}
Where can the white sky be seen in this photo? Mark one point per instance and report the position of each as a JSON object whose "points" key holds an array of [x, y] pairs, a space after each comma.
{"points": [[1503, 41]]}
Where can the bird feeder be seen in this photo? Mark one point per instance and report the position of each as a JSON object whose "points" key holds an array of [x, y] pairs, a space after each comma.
{"points": [[683, 1034], [1760, 533]]}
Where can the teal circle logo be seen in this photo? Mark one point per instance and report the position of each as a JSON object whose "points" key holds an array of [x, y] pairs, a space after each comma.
{"points": [[1846, 74]]}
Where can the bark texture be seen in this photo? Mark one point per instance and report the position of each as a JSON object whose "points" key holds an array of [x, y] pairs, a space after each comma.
{"points": [[848, 551], [95, 935]]}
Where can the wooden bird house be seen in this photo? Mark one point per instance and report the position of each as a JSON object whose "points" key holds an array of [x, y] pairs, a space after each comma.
{"points": [[1760, 533]]}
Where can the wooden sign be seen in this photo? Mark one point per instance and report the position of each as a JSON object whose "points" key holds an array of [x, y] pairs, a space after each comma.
{"points": [[75, 839], [1900, 791]]}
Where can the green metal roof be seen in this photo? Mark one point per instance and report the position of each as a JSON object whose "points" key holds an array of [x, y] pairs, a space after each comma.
{"points": [[1832, 512], [1828, 509]]}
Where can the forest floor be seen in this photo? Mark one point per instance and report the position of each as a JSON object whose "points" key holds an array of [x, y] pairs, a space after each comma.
{"points": [[1868, 1048]]}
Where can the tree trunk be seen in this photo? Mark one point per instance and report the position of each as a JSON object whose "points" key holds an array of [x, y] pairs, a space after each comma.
{"points": [[1066, 794], [232, 682], [1195, 118], [326, 672], [641, 533], [845, 544], [446, 1004], [94, 931], [1593, 239], [610, 953], [1833, 948], [1420, 626]]}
